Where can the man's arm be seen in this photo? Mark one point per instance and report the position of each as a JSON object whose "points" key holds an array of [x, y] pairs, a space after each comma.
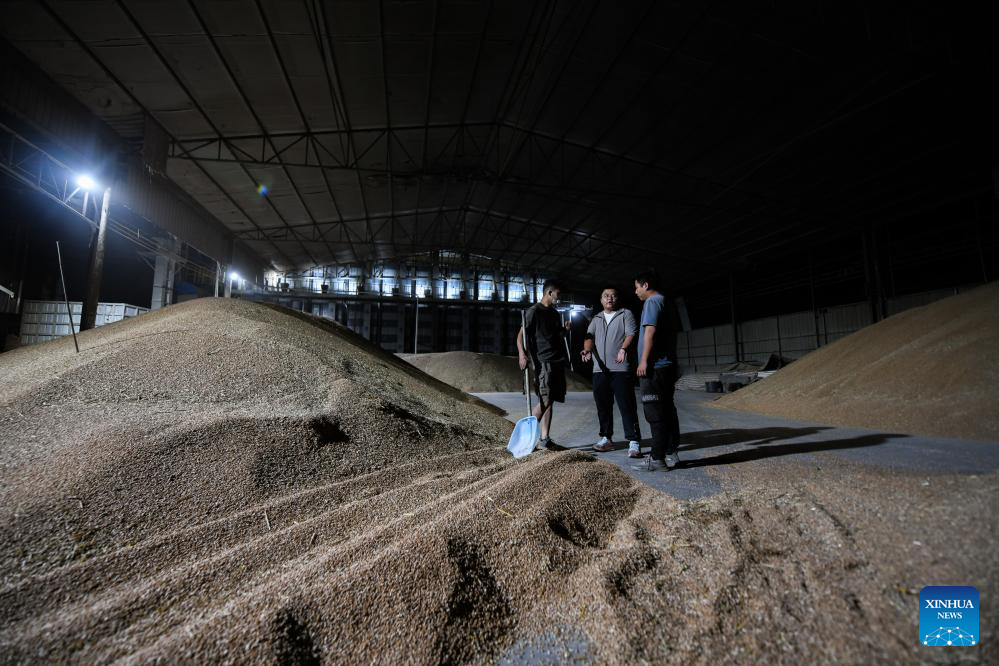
{"points": [[622, 353], [522, 354], [648, 334], [630, 327], [629, 335], [587, 353]]}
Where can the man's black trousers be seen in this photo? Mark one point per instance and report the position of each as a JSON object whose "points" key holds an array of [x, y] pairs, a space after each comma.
{"points": [[660, 411], [610, 387]]}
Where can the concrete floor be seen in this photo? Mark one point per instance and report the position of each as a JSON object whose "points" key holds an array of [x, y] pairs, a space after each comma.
{"points": [[712, 440]]}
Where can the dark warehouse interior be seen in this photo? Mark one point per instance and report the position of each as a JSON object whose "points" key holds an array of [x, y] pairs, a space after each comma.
{"points": [[516, 332], [788, 154]]}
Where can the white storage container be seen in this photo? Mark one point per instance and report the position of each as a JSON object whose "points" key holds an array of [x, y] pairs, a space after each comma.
{"points": [[42, 321]]}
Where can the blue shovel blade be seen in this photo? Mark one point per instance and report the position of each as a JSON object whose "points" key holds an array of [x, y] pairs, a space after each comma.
{"points": [[524, 437]]}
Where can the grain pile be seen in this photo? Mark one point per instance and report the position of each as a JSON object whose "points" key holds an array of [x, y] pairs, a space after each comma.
{"points": [[932, 370], [482, 373], [226, 482]]}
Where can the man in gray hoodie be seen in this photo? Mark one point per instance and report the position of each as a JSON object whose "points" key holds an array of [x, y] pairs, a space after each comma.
{"points": [[610, 334]]}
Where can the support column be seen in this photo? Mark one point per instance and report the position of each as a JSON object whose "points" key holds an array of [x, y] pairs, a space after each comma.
{"points": [[780, 346], [473, 325], [981, 251], [499, 338], [171, 295], [811, 286], [735, 321], [163, 278], [435, 316], [366, 321], [416, 326], [88, 317], [400, 328], [158, 299], [872, 274], [466, 342]]}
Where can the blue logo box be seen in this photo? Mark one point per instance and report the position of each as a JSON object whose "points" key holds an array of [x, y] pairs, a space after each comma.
{"points": [[948, 616]]}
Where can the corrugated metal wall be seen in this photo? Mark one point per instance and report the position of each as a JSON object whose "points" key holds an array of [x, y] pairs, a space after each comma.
{"points": [[162, 203], [33, 98], [901, 303], [791, 335]]}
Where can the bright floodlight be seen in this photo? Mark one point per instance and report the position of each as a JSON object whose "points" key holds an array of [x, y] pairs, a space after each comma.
{"points": [[234, 275], [86, 182]]}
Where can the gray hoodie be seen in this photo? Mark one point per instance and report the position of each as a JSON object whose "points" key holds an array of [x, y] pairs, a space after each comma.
{"points": [[608, 338]]}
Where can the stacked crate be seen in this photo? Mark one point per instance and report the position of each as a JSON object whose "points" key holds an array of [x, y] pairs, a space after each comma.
{"points": [[47, 320]]}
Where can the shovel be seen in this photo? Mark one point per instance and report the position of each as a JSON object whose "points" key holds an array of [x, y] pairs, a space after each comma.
{"points": [[525, 432]]}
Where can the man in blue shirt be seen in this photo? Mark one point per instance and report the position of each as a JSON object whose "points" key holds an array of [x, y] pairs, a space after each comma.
{"points": [[657, 372]]}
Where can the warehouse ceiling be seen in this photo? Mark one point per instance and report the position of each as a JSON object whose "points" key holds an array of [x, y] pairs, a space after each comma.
{"points": [[570, 137]]}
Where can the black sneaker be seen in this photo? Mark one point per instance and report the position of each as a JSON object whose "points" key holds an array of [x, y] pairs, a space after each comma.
{"points": [[549, 444]]}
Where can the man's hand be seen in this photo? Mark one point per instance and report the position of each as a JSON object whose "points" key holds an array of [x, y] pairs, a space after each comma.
{"points": [[643, 369], [586, 356], [523, 361], [621, 355]]}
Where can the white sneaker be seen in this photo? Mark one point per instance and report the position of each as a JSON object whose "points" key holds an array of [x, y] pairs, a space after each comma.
{"points": [[672, 460], [634, 450], [603, 445]]}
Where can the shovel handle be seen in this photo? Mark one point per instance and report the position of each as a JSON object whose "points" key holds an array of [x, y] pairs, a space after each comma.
{"points": [[527, 368]]}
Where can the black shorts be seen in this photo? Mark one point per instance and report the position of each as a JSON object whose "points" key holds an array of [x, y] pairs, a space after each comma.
{"points": [[549, 381]]}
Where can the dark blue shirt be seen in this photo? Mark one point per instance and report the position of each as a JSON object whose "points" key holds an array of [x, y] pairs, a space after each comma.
{"points": [[654, 313]]}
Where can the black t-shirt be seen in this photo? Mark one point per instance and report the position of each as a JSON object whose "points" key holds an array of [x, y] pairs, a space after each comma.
{"points": [[544, 333]]}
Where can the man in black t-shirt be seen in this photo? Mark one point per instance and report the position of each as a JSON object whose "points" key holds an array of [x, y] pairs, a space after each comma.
{"points": [[546, 350]]}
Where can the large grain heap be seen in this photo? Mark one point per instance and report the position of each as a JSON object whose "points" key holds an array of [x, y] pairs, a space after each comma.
{"points": [[221, 481], [931, 370], [481, 373]]}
